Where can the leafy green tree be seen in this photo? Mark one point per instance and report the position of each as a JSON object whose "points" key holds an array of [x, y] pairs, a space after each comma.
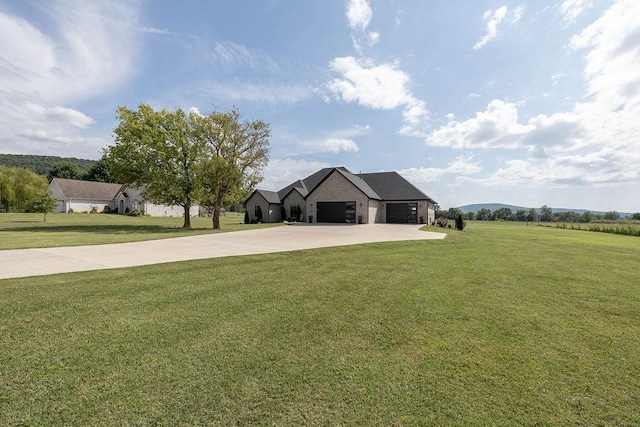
{"points": [[612, 216], [546, 214], [157, 152], [587, 217], [569, 216], [635, 216], [236, 153], [66, 170], [502, 214], [19, 187], [470, 216], [532, 215], [44, 203], [100, 172], [483, 214], [452, 213], [521, 215]]}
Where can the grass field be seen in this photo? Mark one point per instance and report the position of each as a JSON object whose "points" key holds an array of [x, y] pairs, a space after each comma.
{"points": [[501, 324], [21, 231]]}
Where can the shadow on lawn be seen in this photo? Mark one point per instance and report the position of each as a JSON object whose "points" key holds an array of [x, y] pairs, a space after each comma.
{"points": [[104, 229]]}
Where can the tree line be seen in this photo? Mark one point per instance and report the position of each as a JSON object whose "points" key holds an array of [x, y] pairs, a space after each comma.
{"points": [[42, 165], [544, 214]]}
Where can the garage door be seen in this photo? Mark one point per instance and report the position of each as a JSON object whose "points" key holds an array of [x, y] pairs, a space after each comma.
{"points": [[402, 213], [336, 212]]}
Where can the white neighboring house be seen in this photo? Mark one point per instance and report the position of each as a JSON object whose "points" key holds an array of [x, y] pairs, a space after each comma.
{"points": [[89, 196]]}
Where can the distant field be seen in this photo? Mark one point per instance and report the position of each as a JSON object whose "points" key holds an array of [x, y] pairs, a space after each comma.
{"points": [[502, 324], [19, 231]]}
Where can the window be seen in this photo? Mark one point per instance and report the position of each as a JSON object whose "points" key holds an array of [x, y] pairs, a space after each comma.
{"points": [[351, 212]]}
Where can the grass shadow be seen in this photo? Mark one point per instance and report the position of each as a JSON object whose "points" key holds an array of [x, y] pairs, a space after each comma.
{"points": [[104, 229]]}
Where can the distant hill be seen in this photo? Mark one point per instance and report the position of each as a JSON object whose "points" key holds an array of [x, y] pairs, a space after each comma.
{"points": [[42, 164], [495, 206]]}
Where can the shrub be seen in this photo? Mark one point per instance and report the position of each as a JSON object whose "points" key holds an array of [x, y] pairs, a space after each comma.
{"points": [[460, 223], [107, 209], [246, 217], [94, 210], [134, 212], [70, 210], [442, 221]]}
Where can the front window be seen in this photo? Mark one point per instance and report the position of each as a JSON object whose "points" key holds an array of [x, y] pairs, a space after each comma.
{"points": [[351, 212]]}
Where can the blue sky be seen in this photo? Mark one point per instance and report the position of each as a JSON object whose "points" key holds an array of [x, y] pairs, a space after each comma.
{"points": [[519, 102]]}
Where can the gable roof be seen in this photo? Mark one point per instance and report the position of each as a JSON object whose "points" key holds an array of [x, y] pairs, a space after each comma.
{"points": [[269, 196], [392, 186], [88, 190]]}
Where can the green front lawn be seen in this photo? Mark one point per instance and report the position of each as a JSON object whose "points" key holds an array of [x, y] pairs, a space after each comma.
{"points": [[20, 231], [497, 325]]}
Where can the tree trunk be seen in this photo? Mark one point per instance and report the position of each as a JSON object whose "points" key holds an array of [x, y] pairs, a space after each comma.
{"points": [[187, 217], [216, 216]]}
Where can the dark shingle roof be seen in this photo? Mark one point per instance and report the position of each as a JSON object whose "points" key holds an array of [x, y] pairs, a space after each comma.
{"points": [[392, 186], [269, 196], [88, 190]]}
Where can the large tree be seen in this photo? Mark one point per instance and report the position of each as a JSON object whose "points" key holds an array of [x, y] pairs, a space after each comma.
{"points": [[19, 187], [237, 152], [157, 152], [99, 172], [65, 170]]}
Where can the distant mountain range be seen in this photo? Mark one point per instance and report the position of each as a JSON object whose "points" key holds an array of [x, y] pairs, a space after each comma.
{"points": [[495, 206]]}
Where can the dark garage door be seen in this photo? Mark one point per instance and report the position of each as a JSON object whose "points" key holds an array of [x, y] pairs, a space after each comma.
{"points": [[402, 213], [336, 212]]}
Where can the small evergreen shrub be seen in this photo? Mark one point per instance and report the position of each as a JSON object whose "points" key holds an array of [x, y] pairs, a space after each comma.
{"points": [[246, 217]]}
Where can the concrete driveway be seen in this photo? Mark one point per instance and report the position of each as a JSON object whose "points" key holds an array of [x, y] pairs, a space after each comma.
{"points": [[37, 262]]}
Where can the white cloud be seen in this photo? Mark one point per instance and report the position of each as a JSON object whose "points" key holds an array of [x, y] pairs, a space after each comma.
{"points": [[462, 165], [493, 18], [92, 52], [72, 117], [496, 127], [570, 9], [266, 91], [516, 15], [235, 55], [359, 14], [379, 87], [153, 30], [336, 145], [281, 172]]}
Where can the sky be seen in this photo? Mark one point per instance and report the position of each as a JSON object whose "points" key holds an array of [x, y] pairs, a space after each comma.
{"points": [[527, 103]]}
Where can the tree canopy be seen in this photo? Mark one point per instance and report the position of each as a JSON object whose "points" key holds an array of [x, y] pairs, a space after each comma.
{"points": [[182, 158], [65, 170], [236, 152], [19, 187]]}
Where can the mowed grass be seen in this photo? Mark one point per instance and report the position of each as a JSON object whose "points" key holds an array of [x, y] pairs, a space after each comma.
{"points": [[21, 231], [501, 324]]}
